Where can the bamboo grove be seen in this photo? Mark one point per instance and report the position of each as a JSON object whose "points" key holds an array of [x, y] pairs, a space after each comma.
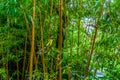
{"points": [[59, 39]]}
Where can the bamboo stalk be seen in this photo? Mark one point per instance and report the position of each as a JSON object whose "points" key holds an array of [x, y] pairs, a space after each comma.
{"points": [[6, 65], [93, 42], [78, 44], [51, 9], [42, 41], [71, 48], [3, 63], [24, 60], [32, 42], [60, 40], [27, 36], [17, 65]]}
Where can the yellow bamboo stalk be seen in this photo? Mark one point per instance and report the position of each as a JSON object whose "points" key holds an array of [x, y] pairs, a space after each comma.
{"points": [[32, 42], [60, 39]]}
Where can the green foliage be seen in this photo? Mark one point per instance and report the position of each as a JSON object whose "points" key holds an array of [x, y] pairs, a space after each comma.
{"points": [[3, 73], [15, 34]]}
